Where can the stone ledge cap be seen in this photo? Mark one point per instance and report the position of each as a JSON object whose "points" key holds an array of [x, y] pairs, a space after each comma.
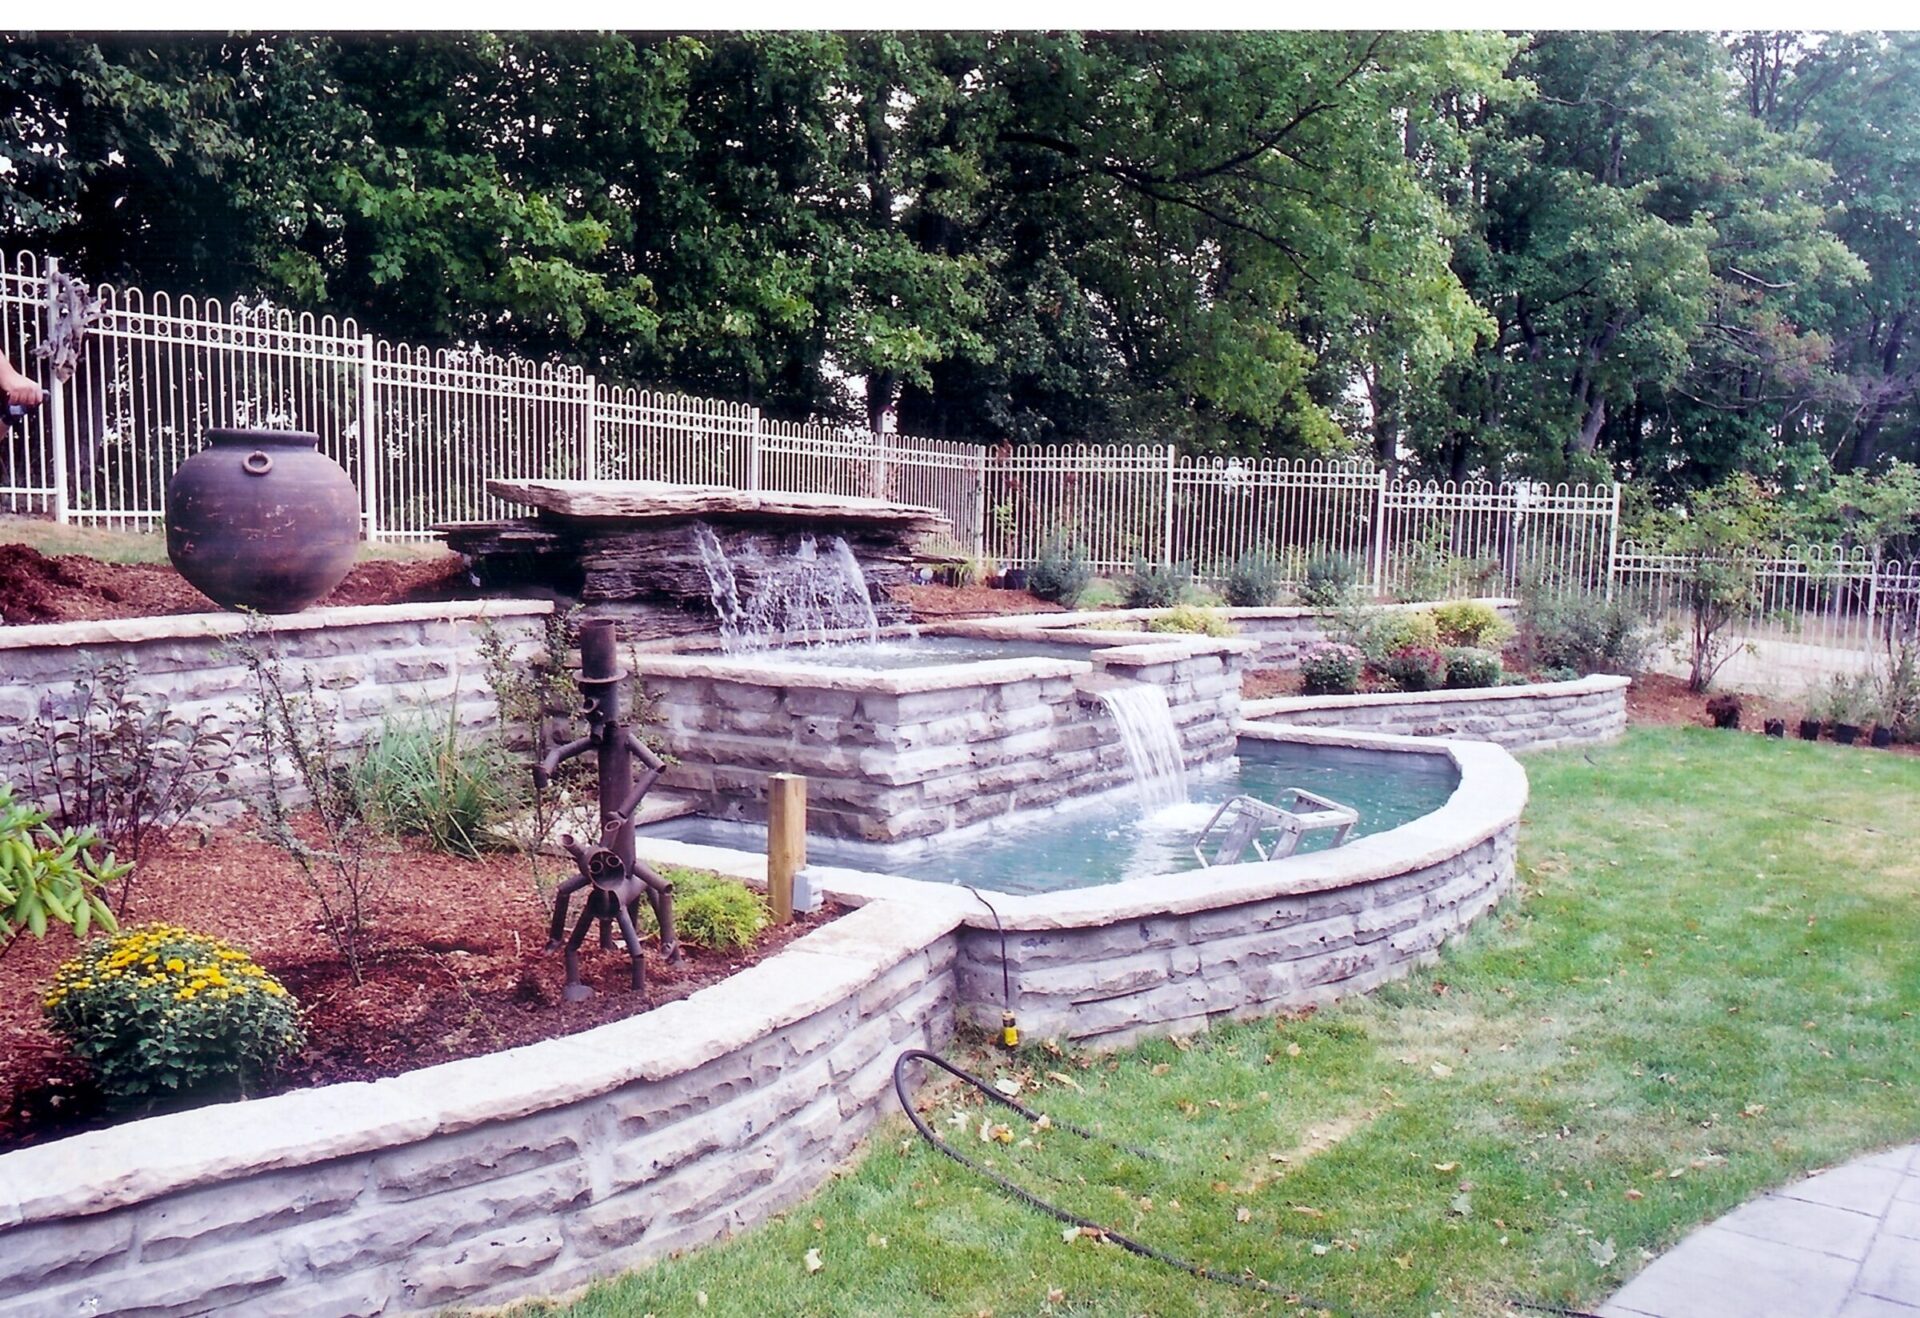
{"points": [[193, 626]]}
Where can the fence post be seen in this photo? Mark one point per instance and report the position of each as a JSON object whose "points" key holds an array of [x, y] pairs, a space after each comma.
{"points": [[369, 444], [56, 402], [590, 463], [1380, 533], [1613, 540], [753, 451], [1873, 607], [1166, 528], [980, 505]]}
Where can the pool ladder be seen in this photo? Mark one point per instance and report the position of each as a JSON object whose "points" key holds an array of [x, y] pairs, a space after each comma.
{"points": [[1246, 819]]}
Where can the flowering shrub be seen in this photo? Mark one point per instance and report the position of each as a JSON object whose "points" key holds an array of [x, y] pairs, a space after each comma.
{"points": [[161, 1012], [1416, 668], [1331, 669], [1468, 667]]}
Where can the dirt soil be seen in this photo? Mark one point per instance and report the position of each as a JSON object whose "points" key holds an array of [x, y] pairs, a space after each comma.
{"points": [[458, 969], [75, 588], [941, 603], [1656, 698]]}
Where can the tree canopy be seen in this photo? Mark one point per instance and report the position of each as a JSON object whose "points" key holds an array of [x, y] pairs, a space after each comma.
{"points": [[1664, 257]]}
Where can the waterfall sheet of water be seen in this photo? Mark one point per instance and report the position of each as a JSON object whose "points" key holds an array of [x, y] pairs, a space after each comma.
{"points": [[806, 598], [1152, 743]]}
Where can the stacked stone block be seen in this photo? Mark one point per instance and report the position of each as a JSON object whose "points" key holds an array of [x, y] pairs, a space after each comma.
{"points": [[1544, 716]]}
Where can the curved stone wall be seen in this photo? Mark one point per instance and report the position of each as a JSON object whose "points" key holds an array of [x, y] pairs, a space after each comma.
{"points": [[1538, 716]]}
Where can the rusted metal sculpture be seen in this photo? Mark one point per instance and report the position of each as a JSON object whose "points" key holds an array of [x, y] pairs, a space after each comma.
{"points": [[618, 881]]}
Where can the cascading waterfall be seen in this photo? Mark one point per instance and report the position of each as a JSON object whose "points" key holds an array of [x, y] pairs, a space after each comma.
{"points": [[807, 597], [1151, 740]]}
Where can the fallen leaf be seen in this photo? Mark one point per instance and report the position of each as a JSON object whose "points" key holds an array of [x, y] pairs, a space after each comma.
{"points": [[1461, 1205], [1161, 1068], [700, 1298], [1045, 1122], [1442, 1070], [1243, 1214], [1319, 1249], [1070, 1235], [1310, 1212], [813, 1261], [1062, 1078], [1055, 1295], [1008, 1085], [1293, 1050], [1602, 1252], [819, 1224], [1635, 1194], [1445, 1166]]}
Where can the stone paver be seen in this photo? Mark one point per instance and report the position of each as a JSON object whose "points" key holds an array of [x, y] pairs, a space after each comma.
{"points": [[1843, 1244]]}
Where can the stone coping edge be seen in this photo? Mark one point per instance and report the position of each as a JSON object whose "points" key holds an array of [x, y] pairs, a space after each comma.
{"points": [[141, 1160], [1276, 706], [1018, 622], [193, 626], [1488, 799]]}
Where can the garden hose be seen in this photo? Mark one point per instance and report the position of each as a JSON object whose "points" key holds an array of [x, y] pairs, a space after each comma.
{"points": [[1009, 1027], [1128, 1243]]}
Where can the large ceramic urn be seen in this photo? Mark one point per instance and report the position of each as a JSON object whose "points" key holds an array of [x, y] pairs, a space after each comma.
{"points": [[261, 519]]}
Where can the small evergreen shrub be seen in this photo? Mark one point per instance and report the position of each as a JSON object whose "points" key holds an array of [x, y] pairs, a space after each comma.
{"points": [[1330, 581], [1471, 623], [1330, 668], [1379, 633], [1153, 586], [1416, 668], [1583, 633], [1256, 581], [722, 915], [1185, 618], [1469, 667], [1061, 572], [160, 1012]]}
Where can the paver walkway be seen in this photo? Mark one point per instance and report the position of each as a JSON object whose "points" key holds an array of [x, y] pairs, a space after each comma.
{"points": [[1843, 1244]]}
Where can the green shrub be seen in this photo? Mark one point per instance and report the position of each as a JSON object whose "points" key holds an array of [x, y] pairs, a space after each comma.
{"points": [[721, 915], [1330, 581], [1061, 572], [1472, 623], [1330, 668], [1185, 618], [1155, 587], [420, 780], [1380, 632], [48, 877], [1582, 633], [1415, 668], [1255, 581], [160, 1013], [1470, 667]]}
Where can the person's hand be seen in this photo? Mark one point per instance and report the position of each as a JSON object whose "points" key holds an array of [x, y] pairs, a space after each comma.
{"points": [[19, 389]]}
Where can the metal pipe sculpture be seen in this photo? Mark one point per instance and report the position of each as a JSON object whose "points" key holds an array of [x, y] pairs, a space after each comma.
{"points": [[618, 880]]}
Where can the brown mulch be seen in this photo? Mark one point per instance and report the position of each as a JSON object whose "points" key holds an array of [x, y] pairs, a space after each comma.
{"points": [[1266, 683], [458, 969], [75, 588], [941, 603], [1657, 699]]}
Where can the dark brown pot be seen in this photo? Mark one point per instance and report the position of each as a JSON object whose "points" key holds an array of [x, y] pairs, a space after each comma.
{"points": [[1809, 729], [1882, 736], [261, 519], [1776, 727], [1844, 733]]}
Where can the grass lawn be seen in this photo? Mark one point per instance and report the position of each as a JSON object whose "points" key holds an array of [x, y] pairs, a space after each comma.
{"points": [[1707, 985], [149, 546]]}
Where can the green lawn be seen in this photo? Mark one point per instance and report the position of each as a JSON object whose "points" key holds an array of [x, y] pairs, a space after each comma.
{"points": [[1707, 986]]}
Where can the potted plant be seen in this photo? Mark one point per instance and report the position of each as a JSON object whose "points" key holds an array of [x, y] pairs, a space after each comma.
{"points": [[1882, 718], [1776, 727], [1724, 710], [1845, 707]]}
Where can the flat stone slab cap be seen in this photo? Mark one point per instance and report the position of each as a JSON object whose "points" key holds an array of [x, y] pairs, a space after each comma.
{"points": [[663, 499]]}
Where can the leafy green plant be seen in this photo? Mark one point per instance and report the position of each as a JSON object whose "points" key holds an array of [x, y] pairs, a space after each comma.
{"points": [[1331, 581], [1848, 699], [1431, 570], [1061, 572], [1897, 686], [1378, 633], [1472, 623], [1582, 632], [121, 762], [1190, 620], [162, 1013], [1468, 667], [1158, 586], [1331, 668], [1257, 580], [722, 915], [1415, 668], [419, 780], [49, 877]]}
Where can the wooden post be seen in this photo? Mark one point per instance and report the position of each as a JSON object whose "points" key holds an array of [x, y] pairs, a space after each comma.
{"points": [[786, 840]]}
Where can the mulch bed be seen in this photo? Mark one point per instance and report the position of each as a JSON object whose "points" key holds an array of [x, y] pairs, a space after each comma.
{"points": [[1661, 700], [459, 969], [75, 588], [941, 603]]}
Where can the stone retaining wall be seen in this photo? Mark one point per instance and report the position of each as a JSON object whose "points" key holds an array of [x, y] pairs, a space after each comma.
{"points": [[367, 663], [527, 1172], [897, 756], [1539, 716]]}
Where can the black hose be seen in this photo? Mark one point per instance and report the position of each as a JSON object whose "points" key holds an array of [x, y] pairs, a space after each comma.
{"points": [[1027, 1197]]}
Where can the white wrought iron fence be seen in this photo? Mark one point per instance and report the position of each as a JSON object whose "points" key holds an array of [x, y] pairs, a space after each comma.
{"points": [[1441, 537]]}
